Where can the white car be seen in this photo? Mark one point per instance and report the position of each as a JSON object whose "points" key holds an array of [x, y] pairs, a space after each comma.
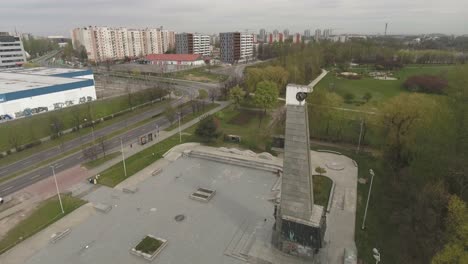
{"points": [[1, 200]]}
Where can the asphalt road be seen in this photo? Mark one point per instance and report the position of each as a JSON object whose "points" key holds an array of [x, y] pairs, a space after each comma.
{"points": [[43, 172]]}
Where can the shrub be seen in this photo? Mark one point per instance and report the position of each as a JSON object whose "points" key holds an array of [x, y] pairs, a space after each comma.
{"points": [[426, 84], [208, 129], [349, 97]]}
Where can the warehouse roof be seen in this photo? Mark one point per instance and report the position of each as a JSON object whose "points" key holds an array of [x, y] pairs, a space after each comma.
{"points": [[59, 72], [174, 57], [14, 82]]}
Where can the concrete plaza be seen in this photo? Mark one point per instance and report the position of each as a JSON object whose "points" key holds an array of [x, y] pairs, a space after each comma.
{"points": [[240, 204]]}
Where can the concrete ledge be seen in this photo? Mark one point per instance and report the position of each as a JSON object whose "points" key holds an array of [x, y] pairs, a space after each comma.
{"points": [[329, 151], [103, 208], [59, 235], [237, 161], [130, 190], [330, 197]]}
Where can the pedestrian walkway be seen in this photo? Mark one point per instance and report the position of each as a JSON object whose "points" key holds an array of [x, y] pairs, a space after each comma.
{"points": [[133, 148]]}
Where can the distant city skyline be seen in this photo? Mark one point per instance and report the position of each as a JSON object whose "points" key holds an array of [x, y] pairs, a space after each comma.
{"points": [[59, 17]]}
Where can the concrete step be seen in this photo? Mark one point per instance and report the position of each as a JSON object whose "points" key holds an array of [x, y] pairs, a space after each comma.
{"points": [[237, 161]]}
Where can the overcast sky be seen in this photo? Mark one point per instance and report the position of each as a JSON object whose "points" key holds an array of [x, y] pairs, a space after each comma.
{"points": [[58, 17]]}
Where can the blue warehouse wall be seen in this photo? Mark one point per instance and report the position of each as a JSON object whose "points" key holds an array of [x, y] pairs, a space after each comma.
{"points": [[74, 74]]}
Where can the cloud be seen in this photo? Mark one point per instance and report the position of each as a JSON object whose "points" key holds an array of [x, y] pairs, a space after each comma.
{"points": [[46, 17]]}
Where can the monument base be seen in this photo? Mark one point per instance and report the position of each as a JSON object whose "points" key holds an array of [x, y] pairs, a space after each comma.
{"points": [[300, 237]]}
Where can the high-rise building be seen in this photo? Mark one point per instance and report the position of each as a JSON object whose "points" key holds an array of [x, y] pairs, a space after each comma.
{"points": [[297, 38], [318, 34], [236, 47], [275, 32], [286, 33], [188, 43], [262, 35], [307, 33], [11, 51], [326, 33], [106, 43]]}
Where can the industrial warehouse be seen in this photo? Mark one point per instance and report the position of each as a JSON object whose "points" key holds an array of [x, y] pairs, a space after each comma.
{"points": [[24, 92]]}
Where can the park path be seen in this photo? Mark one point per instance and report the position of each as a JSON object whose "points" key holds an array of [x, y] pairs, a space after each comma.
{"points": [[342, 215]]}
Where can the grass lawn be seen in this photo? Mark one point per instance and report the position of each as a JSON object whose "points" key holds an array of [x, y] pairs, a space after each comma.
{"points": [[191, 116], [245, 123], [322, 188], [200, 74], [94, 163], [47, 213], [148, 245], [38, 126], [381, 90]]}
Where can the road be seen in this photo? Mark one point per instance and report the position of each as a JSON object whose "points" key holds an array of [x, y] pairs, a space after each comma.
{"points": [[130, 137]]}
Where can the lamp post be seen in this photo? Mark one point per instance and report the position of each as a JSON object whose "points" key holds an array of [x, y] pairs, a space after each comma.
{"points": [[58, 192], [368, 196], [123, 158], [180, 134]]}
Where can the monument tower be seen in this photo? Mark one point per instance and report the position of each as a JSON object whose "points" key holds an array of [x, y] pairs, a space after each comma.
{"points": [[300, 224]]}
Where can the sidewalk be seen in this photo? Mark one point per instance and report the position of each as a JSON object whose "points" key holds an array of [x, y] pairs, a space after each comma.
{"points": [[134, 148]]}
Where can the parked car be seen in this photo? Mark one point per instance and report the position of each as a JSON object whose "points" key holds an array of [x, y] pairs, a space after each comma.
{"points": [[1, 200]]}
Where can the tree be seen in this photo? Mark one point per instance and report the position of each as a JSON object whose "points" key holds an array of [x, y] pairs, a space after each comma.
{"points": [[320, 170], [56, 126], [14, 138], [253, 77], [266, 95], [68, 52], [367, 96], [202, 94], [213, 93], [208, 129], [236, 95], [170, 114], [103, 145], [457, 234], [402, 114]]}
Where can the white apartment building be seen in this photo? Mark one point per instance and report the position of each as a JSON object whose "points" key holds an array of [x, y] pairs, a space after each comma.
{"points": [[11, 51], [236, 47], [201, 44], [106, 43], [188, 43]]}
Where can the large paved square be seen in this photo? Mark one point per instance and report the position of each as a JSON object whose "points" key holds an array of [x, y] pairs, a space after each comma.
{"points": [[240, 204]]}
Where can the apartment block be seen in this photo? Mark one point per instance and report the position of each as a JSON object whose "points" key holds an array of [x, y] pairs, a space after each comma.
{"points": [[188, 43], [106, 43], [236, 47], [11, 51]]}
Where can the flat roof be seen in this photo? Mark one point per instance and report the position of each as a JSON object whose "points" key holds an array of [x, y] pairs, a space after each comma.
{"points": [[45, 71], [235, 217], [14, 82]]}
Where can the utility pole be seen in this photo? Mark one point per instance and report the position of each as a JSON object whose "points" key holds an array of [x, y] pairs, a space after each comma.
{"points": [[368, 196], [123, 157], [58, 192]]}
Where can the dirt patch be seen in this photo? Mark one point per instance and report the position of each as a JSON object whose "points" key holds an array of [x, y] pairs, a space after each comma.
{"points": [[244, 117], [192, 77]]}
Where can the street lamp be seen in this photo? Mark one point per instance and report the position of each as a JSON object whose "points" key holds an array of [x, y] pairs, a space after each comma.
{"points": [[58, 192], [368, 196], [123, 158], [376, 255], [92, 129]]}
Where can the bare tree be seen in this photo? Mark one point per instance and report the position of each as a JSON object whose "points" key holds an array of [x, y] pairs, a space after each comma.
{"points": [[128, 90], [213, 93], [14, 138], [103, 145], [76, 118], [56, 126]]}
